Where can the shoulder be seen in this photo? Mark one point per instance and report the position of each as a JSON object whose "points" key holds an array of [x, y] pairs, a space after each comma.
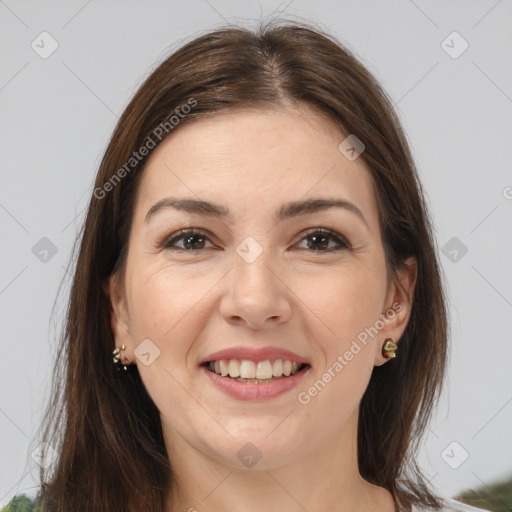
{"points": [[23, 503], [451, 505]]}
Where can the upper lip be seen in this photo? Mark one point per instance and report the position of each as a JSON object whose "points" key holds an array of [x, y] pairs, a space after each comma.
{"points": [[255, 354]]}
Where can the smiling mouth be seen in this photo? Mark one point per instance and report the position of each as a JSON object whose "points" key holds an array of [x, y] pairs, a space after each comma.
{"points": [[261, 372]]}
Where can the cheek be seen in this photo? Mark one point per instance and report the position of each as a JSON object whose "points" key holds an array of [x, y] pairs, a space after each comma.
{"points": [[337, 387], [160, 300], [168, 314], [164, 312], [346, 301], [348, 308]]}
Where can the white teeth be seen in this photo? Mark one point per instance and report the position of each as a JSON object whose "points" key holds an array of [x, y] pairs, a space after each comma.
{"points": [[233, 368], [253, 381], [264, 370], [249, 371], [277, 370], [223, 367]]}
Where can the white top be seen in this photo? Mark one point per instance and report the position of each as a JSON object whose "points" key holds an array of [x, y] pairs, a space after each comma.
{"points": [[451, 505]]}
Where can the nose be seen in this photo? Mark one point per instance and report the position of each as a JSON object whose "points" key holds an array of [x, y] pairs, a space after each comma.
{"points": [[256, 294]]}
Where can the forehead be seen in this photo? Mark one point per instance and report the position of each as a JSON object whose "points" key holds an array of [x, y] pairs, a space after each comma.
{"points": [[250, 158]]}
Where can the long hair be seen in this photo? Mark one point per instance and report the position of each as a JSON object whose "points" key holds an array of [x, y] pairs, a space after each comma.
{"points": [[104, 427]]}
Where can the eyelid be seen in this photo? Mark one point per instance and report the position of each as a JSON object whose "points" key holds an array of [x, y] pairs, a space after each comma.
{"points": [[343, 241], [165, 242]]}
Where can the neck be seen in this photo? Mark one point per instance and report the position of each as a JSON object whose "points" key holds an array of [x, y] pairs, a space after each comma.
{"points": [[325, 479]]}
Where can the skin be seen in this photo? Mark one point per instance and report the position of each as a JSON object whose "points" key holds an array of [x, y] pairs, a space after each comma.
{"points": [[190, 304]]}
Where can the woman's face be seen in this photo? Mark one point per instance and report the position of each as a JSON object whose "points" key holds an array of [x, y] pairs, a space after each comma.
{"points": [[252, 279]]}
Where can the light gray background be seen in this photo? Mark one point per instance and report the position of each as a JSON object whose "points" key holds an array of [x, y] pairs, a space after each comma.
{"points": [[57, 114]]}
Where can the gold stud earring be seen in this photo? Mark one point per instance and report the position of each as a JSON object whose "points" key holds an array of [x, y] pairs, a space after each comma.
{"points": [[117, 356], [388, 349]]}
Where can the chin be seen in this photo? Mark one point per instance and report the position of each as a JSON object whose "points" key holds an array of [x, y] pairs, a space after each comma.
{"points": [[257, 452]]}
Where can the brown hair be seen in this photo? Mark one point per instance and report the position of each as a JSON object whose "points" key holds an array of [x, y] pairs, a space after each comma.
{"points": [[103, 425]]}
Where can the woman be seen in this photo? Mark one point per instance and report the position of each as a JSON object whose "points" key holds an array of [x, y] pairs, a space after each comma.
{"points": [[258, 257]]}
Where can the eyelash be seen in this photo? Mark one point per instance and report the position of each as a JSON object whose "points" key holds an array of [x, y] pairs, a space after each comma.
{"points": [[167, 243]]}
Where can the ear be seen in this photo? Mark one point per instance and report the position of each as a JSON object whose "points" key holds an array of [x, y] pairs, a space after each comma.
{"points": [[398, 307], [119, 318]]}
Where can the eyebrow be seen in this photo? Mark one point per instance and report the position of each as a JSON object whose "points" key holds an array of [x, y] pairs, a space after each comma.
{"points": [[287, 210]]}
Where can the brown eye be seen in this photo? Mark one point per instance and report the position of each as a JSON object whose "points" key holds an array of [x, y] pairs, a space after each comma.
{"points": [[193, 240], [318, 240]]}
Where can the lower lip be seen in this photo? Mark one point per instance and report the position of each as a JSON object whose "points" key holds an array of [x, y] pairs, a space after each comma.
{"points": [[253, 391]]}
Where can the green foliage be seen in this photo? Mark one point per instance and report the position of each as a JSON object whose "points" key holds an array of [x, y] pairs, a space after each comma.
{"points": [[23, 504], [496, 497]]}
